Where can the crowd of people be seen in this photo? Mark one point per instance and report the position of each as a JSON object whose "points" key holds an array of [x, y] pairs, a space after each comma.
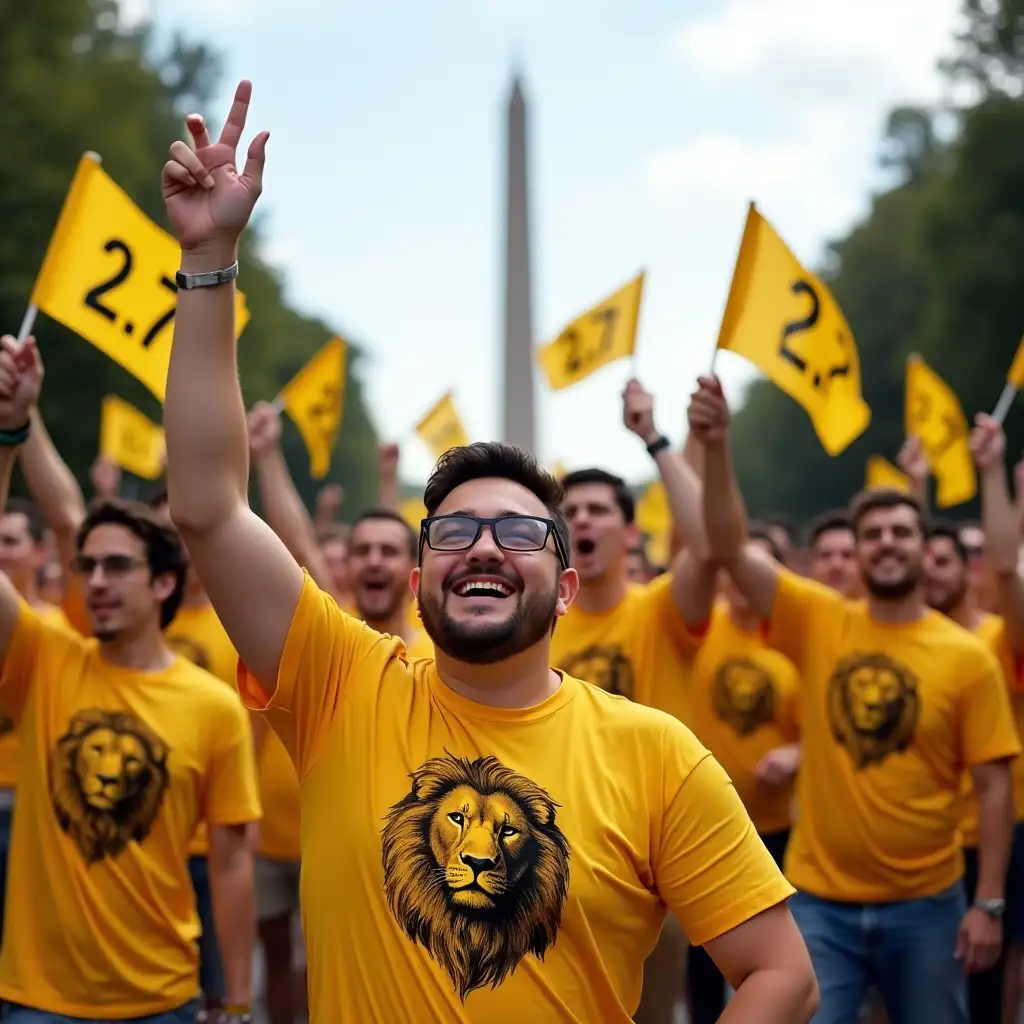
{"points": [[528, 776]]}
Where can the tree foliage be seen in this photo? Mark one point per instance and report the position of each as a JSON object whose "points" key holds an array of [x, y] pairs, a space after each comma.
{"points": [[936, 267], [74, 80]]}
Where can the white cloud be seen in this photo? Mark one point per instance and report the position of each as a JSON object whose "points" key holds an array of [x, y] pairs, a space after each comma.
{"points": [[898, 41]]}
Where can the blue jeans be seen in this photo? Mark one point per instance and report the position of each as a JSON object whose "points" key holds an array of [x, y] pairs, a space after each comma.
{"points": [[904, 949], [6, 817], [211, 967], [26, 1015]]}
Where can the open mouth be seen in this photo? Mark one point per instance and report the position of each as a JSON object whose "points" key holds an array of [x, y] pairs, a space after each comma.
{"points": [[586, 546], [100, 607], [483, 588], [375, 586]]}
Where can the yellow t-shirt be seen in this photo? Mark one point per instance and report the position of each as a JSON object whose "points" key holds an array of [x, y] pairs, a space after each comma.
{"points": [[467, 863], [279, 795], [745, 702], [992, 631], [116, 768], [8, 734], [634, 650], [197, 634], [891, 715]]}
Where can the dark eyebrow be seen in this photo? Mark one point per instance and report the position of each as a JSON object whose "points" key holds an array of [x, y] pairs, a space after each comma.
{"points": [[501, 515]]}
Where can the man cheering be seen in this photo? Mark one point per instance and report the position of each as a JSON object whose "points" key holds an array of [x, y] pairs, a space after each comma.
{"points": [[484, 839]]}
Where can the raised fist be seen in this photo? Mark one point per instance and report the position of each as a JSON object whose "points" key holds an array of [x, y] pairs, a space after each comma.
{"points": [[708, 414]]}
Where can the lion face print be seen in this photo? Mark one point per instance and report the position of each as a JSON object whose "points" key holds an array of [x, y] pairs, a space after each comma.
{"points": [[743, 695], [108, 776], [873, 707], [475, 868], [604, 665]]}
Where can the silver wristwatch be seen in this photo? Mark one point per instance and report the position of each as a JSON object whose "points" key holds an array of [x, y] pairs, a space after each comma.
{"points": [[207, 279], [994, 908]]}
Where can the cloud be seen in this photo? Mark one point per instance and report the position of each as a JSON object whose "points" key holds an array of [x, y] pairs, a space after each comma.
{"points": [[898, 42]]}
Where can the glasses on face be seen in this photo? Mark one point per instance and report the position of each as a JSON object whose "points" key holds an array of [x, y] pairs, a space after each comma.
{"points": [[513, 533], [112, 565]]}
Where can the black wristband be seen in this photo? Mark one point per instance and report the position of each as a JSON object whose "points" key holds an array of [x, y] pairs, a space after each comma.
{"points": [[12, 438], [659, 444]]}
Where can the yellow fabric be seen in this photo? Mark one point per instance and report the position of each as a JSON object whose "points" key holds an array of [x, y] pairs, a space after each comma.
{"points": [[745, 702], [992, 631], [100, 913], [880, 472], [441, 428], [891, 715], [607, 812], [130, 439], [197, 634], [635, 649], [279, 794], [55, 617]]}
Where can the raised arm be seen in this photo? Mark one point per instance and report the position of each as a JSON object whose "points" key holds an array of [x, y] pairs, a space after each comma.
{"points": [[252, 580], [725, 517], [693, 575], [1001, 525]]}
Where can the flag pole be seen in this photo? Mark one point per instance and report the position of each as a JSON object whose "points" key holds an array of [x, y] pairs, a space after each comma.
{"points": [[28, 321], [278, 403], [1004, 403]]}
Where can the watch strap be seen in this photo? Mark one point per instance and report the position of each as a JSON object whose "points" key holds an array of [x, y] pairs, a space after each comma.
{"points": [[994, 908], [15, 437], [659, 444], [207, 279]]}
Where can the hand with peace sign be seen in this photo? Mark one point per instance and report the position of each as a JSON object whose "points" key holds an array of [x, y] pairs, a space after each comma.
{"points": [[208, 202]]}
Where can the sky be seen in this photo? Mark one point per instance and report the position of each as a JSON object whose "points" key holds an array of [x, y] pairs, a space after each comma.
{"points": [[651, 125]]}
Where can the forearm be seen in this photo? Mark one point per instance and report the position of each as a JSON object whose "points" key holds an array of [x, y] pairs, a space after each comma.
{"points": [[232, 886], [387, 491], [772, 996], [8, 453], [52, 484], [995, 835], [204, 417], [683, 491], [725, 518], [999, 520]]}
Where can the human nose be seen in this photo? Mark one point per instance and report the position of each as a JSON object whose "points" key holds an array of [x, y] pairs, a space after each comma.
{"points": [[486, 547]]}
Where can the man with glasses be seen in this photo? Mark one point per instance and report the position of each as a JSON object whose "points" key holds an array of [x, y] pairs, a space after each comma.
{"points": [[125, 748], [484, 838]]}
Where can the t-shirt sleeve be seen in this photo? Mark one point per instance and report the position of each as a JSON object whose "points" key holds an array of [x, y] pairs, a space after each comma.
{"points": [[232, 790], [322, 653], [800, 605], [18, 672], [988, 732], [711, 868]]}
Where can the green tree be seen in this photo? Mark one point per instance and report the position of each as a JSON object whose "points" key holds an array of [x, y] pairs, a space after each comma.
{"points": [[73, 80]]}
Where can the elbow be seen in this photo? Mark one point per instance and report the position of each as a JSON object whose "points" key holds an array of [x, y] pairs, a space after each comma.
{"points": [[201, 515], [808, 996]]}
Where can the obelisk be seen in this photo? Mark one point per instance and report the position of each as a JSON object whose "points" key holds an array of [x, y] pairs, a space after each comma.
{"points": [[519, 362]]}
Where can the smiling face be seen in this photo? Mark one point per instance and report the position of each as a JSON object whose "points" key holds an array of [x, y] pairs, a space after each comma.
{"points": [[890, 550], [485, 604], [945, 575], [379, 564]]}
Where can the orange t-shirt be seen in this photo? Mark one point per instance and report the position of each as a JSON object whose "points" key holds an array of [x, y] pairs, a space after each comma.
{"points": [[55, 616], [891, 715], [992, 631], [635, 649], [483, 864], [744, 699], [117, 766]]}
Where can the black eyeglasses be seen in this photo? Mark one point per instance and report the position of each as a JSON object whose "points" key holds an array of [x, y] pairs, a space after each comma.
{"points": [[511, 533], [112, 565]]}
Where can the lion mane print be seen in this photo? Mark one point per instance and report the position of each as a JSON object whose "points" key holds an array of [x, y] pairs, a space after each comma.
{"points": [[475, 868], [743, 695], [108, 776]]}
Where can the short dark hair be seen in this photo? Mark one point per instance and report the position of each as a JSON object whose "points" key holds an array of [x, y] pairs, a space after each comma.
{"points": [[34, 518], [828, 522], [165, 552], [780, 521], [762, 531], [623, 495], [390, 515], [484, 459], [873, 498], [159, 497], [948, 530]]}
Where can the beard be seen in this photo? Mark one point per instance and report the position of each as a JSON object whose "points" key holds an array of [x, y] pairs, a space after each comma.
{"points": [[487, 643], [946, 601], [892, 590], [382, 607]]}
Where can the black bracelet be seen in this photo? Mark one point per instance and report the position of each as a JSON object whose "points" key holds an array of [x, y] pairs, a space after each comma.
{"points": [[659, 444], [12, 438]]}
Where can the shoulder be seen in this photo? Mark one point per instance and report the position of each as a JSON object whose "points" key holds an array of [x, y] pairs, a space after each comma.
{"points": [[962, 647], [201, 686]]}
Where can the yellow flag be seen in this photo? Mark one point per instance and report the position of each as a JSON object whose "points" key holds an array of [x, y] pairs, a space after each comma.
{"points": [[882, 473], [109, 273], [1016, 374], [784, 320], [934, 414], [600, 336], [654, 519], [558, 471], [413, 511], [441, 428], [131, 440], [314, 399]]}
